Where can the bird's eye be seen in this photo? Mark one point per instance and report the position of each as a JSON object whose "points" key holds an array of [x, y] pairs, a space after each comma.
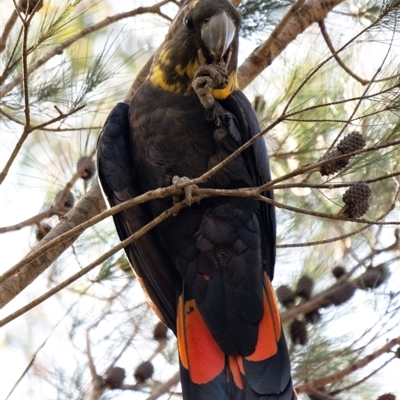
{"points": [[189, 22], [206, 20]]}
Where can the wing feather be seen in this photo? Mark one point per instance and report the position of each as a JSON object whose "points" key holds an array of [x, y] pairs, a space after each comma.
{"points": [[152, 265]]}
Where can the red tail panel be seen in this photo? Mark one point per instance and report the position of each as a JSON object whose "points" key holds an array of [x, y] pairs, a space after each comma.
{"points": [[199, 352], [209, 374], [270, 329]]}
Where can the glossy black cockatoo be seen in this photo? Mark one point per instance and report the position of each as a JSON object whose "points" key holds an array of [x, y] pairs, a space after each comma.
{"points": [[207, 271]]}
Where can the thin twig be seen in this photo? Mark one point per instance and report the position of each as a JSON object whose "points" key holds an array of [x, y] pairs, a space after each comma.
{"points": [[316, 383], [33, 358], [327, 39], [332, 185], [99, 385], [262, 56], [84, 32], [92, 367], [324, 241], [359, 382], [25, 81], [362, 97], [7, 67], [56, 209], [320, 65], [30, 221], [165, 387], [7, 30], [315, 167], [25, 134], [11, 117]]}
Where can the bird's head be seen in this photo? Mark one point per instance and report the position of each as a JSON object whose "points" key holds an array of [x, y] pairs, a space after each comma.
{"points": [[203, 32]]}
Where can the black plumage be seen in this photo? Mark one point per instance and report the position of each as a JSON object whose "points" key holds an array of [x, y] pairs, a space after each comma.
{"points": [[207, 270]]}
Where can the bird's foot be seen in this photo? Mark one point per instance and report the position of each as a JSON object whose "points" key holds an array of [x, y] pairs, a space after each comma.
{"points": [[206, 79], [186, 190]]}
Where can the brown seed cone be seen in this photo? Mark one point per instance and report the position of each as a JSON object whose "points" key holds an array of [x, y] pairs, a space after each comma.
{"points": [[285, 296], [27, 8], [42, 231], [343, 293], [115, 377], [352, 142], [373, 277], [298, 332], [312, 317], [330, 168], [304, 287], [357, 211], [90, 167], [387, 396], [338, 271], [356, 199], [160, 332], [144, 371], [69, 200]]}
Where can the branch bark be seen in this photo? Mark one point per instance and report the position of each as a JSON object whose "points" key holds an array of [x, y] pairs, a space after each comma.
{"points": [[89, 206]]}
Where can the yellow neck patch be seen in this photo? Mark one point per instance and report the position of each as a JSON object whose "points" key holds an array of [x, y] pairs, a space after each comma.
{"points": [[182, 78], [221, 94]]}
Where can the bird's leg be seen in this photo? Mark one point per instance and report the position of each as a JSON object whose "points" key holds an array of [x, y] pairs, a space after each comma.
{"points": [[206, 79], [187, 190]]}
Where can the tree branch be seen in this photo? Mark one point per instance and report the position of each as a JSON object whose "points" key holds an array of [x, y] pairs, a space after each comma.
{"points": [[90, 205], [328, 42]]}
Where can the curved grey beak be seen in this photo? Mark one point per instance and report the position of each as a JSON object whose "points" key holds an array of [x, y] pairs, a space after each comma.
{"points": [[217, 34]]}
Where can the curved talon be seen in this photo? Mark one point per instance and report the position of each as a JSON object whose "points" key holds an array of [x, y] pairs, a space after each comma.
{"points": [[208, 78], [187, 190], [203, 86]]}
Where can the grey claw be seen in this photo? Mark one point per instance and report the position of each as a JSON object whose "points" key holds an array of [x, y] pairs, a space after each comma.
{"points": [[188, 190]]}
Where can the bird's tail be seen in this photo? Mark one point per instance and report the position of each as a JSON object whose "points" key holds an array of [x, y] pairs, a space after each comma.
{"points": [[209, 374]]}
